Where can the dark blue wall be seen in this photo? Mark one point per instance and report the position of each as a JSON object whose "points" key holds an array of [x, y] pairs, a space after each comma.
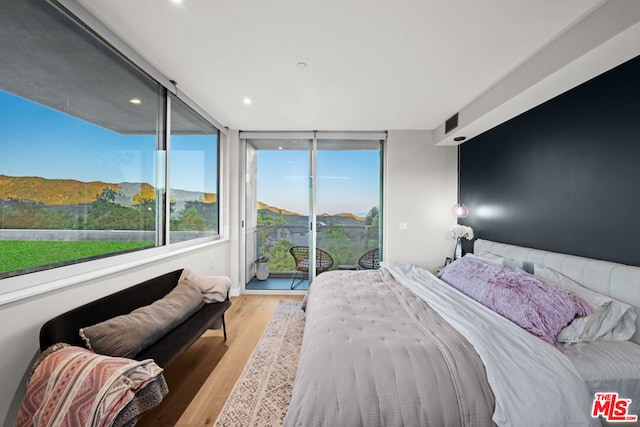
{"points": [[564, 176]]}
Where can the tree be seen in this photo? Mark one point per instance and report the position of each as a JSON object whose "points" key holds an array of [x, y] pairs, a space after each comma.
{"points": [[30, 215], [279, 257], [335, 240], [146, 210], [107, 195], [105, 214], [267, 217], [268, 222], [146, 194], [372, 223], [372, 217], [191, 220], [207, 210]]}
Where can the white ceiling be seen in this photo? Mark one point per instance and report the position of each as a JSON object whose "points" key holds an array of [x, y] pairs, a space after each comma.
{"points": [[372, 64]]}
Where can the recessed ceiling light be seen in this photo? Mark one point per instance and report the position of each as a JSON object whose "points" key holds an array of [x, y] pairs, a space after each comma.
{"points": [[301, 65], [135, 101], [246, 100], [176, 1]]}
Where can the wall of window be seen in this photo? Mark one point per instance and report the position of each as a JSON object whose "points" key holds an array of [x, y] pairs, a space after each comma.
{"points": [[97, 158], [317, 189], [193, 178]]}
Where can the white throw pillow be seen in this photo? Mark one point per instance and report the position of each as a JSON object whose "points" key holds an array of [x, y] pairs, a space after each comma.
{"points": [[213, 288], [610, 320], [490, 258]]}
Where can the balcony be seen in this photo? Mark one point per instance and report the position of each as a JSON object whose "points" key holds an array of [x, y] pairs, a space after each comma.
{"points": [[345, 243]]}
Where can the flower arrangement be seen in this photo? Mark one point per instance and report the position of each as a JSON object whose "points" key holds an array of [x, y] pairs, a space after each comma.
{"points": [[461, 231]]}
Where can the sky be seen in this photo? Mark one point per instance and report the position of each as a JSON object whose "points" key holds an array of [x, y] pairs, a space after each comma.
{"points": [[347, 181], [59, 146]]}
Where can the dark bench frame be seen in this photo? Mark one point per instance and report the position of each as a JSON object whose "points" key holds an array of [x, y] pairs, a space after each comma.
{"points": [[65, 327]]}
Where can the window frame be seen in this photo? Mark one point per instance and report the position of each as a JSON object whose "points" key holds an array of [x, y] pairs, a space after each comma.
{"points": [[17, 287], [273, 139], [218, 134]]}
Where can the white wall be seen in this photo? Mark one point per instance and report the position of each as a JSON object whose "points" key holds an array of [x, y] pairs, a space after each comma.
{"points": [[251, 215], [233, 180], [420, 189]]}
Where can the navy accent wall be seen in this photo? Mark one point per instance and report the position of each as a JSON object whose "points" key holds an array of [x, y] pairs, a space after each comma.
{"points": [[564, 176]]}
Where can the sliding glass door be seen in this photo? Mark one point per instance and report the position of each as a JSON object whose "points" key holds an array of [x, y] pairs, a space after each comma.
{"points": [[348, 188], [318, 193]]}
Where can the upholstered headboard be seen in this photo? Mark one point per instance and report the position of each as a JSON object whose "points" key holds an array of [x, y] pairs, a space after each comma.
{"points": [[618, 281]]}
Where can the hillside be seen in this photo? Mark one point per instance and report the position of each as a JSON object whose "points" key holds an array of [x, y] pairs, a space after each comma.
{"points": [[67, 192], [61, 192], [264, 206], [346, 215], [273, 209]]}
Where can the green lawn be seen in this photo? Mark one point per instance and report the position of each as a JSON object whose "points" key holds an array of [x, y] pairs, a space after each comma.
{"points": [[19, 254]]}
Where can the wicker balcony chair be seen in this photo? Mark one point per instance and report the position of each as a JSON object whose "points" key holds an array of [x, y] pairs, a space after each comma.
{"points": [[370, 260], [300, 254]]}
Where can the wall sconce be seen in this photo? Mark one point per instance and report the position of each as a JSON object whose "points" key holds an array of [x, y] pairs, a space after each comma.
{"points": [[460, 210]]}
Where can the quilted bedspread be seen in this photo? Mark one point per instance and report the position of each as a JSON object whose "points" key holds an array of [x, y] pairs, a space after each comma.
{"points": [[72, 386], [373, 354]]}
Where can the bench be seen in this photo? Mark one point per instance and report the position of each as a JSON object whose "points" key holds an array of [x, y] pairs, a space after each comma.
{"points": [[65, 327]]}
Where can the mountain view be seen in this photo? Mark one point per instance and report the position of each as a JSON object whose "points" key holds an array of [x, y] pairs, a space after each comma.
{"points": [[346, 216], [29, 204], [71, 193], [60, 192], [38, 203]]}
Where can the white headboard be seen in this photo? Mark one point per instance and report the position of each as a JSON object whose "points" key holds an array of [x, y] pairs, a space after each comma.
{"points": [[618, 281]]}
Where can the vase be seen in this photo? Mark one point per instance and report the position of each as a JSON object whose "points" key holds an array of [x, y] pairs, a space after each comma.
{"points": [[262, 271], [457, 253]]}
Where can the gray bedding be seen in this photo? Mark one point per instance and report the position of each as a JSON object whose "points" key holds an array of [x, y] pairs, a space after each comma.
{"points": [[609, 366], [426, 373]]}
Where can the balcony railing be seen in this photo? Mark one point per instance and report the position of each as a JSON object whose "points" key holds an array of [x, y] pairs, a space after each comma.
{"points": [[345, 243]]}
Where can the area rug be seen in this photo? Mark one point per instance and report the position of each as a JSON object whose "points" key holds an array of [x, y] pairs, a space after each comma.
{"points": [[262, 394]]}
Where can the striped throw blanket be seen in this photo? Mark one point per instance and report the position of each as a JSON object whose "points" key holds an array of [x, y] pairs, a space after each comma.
{"points": [[72, 386]]}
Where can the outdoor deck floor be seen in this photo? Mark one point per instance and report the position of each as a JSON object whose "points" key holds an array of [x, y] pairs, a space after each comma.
{"points": [[276, 284]]}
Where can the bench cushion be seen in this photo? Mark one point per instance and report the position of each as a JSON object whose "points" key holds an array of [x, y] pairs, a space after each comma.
{"points": [[64, 327], [179, 339], [127, 335]]}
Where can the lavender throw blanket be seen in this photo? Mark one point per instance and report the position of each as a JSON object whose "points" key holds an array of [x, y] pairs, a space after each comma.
{"points": [[535, 306]]}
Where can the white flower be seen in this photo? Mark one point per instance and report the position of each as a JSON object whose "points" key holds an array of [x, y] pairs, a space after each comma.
{"points": [[461, 231]]}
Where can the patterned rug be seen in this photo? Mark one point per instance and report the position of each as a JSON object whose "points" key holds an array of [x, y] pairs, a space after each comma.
{"points": [[262, 394]]}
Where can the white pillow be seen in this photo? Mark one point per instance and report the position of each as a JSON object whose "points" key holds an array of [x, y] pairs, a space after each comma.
{"points": [[490, 258], [213, 288], [610, 320], [513, 264]]}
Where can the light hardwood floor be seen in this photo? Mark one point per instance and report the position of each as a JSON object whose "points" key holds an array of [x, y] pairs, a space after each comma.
{"points": [[201, 379]]}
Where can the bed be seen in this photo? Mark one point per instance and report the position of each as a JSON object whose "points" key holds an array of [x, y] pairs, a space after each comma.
{"points": [[400, 347]]}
